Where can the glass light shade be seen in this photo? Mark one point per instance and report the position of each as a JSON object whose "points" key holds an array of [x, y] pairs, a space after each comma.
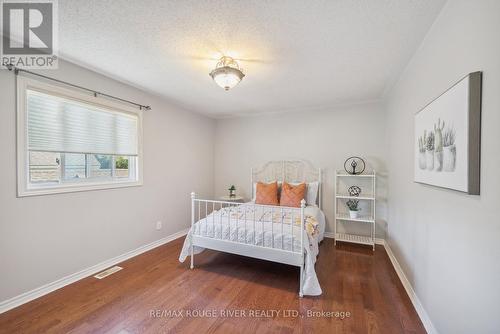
{"points": [[227, 77]]}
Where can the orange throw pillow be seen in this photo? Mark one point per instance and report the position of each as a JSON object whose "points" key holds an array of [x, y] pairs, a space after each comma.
{"points": [[267, 193], [292, 195]]}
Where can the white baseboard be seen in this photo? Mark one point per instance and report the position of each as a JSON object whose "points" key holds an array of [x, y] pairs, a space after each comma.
{"points": [[429, 326], [47, 288], [330, 235], [424, 317]]}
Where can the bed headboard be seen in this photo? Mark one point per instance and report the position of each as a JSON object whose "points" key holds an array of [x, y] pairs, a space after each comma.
{"points": [[289, 171]]}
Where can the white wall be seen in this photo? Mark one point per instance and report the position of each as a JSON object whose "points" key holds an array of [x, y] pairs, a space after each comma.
{"points": [[448, 242], [324, 138], [45, 238]]}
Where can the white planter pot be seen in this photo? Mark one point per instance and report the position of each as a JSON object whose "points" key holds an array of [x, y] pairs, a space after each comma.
{"points": [[438, 161], [430, 160], [422, 161], [449, 158], [353, 214]]}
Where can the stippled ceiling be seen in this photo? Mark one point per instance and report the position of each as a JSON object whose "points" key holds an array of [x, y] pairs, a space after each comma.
{"points": [[297, 55]]}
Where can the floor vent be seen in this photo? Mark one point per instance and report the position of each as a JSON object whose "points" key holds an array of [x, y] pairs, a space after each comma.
{"points": [[108, 272]]}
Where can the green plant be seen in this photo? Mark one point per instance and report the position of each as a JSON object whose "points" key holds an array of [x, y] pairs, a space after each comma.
{"points": [[438, 140], [429, 145], [449, 137], [121, 163], [232, 189], [352, 204], [422, 140]]}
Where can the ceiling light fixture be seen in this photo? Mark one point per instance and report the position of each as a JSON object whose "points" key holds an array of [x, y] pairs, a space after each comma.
{"points": [[227, 73]]}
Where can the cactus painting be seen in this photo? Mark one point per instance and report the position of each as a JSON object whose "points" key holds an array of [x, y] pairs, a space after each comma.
{"points": [[447, 138], [436, 148]]}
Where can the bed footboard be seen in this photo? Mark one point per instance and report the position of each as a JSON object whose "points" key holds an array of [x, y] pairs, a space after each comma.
{"points": [[255, 219]]}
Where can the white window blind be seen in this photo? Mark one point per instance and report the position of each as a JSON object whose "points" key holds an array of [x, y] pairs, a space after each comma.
{"points": [[57, 124]]}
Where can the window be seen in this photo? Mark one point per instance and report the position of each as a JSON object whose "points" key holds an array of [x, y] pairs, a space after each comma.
{"points": [[69, 141]]}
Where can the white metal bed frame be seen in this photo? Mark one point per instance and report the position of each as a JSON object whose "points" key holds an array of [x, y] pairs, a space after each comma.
{"points": [[281, 171]]}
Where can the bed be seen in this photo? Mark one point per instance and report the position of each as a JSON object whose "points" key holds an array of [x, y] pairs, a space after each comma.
{"points": [[286, 235]]}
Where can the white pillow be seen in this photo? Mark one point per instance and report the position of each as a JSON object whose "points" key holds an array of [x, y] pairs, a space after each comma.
{"points": [[312, 193]]}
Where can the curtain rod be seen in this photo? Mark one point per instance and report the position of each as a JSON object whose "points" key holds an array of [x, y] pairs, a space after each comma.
{"points": [[16, 70]]}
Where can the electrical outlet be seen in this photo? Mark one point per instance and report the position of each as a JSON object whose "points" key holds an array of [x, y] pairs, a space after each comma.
{"points": [[158, 225]]}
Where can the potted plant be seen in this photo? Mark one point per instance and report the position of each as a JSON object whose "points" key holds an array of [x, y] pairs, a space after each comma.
{"points": [[429, 146], [352, 204], [438, 145], [232, 190], [449, 150], [422, 160]]}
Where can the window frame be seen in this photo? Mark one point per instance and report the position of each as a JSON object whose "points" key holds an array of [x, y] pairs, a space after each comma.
{"points": [[23, 178]]}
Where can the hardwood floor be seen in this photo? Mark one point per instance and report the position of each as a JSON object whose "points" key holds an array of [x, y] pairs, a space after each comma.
{"points": [[138, 298]]}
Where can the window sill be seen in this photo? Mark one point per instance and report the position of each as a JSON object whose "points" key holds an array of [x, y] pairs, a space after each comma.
{"points": [[70, 188]]}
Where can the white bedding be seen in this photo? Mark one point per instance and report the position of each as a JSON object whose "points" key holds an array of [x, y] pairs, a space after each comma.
{"points": [[286, 236]]}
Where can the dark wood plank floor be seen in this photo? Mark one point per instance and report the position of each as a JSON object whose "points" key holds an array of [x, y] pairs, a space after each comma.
{"points": [[138, 299]]}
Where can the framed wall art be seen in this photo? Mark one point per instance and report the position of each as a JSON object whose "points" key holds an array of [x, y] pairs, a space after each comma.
{"points": [[448, 138]]}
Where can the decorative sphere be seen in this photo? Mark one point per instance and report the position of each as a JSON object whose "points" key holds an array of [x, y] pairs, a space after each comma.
{"points": [[354, 191]]}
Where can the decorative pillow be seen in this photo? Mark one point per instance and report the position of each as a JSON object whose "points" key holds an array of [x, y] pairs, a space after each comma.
{"points": [[255, 189], [312, 190], [267, 193], [292, 195]]}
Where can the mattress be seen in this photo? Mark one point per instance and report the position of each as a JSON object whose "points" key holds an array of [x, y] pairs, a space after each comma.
{"points": [[261, 226]]}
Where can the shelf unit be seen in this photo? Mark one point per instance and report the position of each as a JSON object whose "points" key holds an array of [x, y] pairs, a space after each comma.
{"points": [[342, 217]]}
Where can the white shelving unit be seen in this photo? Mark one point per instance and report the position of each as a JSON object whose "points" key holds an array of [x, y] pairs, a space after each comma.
{"points": [[367, 183]]}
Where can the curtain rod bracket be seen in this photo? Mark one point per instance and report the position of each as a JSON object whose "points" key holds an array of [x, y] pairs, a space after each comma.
{"points": [[11, 67]]}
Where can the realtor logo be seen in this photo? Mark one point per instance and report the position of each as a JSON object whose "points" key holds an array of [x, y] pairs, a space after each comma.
{"points": [[29, 34]]}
